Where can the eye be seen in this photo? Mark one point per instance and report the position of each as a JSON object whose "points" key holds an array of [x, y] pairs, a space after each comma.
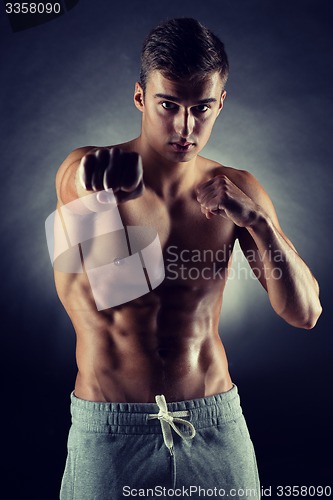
{"points": [[201, 108], [169, 105]]}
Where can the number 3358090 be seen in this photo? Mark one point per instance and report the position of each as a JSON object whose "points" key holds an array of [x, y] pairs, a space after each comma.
{"points": [[32, 8]]}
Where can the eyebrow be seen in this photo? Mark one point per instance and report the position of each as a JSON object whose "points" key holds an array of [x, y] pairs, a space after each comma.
{"points": [[177, 99]]}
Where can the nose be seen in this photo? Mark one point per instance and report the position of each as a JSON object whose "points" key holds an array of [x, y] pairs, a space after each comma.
{"points": [[184, 123]]}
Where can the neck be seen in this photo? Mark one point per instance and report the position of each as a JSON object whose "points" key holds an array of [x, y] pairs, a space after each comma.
{"points": [[166, 178]]}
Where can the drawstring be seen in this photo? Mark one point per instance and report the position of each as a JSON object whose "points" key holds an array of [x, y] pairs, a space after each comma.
{"points": [[168, 420]]}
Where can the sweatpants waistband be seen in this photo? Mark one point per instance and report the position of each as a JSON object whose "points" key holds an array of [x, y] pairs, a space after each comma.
{"points": [[133, 418]]}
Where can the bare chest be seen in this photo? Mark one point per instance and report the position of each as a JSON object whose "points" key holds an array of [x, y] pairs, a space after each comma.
{"points": [[188, 239]]}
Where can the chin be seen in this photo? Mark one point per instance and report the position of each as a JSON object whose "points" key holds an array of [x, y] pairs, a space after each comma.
{"points": [[181, 157]]}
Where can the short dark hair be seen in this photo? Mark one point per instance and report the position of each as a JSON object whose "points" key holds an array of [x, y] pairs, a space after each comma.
{"points": [[183, 49]]}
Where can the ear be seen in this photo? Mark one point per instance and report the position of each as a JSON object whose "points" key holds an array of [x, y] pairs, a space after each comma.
{"points": [[223, 96], [138, 96]]}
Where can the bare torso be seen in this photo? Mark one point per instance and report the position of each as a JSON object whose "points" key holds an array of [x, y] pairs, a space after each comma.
{"points": [[167, 341]]}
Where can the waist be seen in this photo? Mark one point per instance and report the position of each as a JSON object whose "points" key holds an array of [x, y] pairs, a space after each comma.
{"points": [[137, 374], [132, 418]]}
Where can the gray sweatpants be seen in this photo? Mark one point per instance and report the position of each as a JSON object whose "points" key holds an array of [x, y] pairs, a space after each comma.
{"points": [[189, 449]]}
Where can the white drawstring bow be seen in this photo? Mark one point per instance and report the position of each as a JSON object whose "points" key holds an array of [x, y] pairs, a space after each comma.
{"points": [[169, 419]]}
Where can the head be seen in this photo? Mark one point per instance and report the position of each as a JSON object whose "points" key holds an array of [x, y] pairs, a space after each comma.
{"points": [[183, 49], [181, 89]]}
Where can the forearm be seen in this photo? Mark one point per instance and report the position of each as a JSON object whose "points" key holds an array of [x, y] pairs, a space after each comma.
{"points": [[291, 287]]}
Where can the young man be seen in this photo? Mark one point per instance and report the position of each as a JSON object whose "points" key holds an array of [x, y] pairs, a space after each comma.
{"points": [[154, 405]]}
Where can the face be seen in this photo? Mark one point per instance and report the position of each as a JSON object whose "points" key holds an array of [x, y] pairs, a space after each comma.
{"points": [[178, 117]]}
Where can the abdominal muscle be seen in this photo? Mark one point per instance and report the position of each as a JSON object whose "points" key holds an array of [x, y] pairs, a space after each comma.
{"points": [[166, 342]]}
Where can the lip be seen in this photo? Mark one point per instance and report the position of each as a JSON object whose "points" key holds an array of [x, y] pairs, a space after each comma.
{"points": [[182, 147]]}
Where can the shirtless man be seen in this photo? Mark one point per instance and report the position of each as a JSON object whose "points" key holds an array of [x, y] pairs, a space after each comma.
{"points": [[166, 343]]}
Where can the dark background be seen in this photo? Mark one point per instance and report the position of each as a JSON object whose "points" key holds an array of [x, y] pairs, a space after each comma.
{"points": [[68, 83]]}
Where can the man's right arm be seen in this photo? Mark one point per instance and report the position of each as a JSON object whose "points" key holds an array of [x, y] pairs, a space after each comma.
{"points": [[90, 169]]}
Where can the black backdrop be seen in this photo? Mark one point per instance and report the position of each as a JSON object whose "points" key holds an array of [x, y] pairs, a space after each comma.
{"points": [[68, 83]]}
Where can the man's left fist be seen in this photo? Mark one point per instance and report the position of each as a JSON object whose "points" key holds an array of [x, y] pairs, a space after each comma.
{"points": [[220, 196]]}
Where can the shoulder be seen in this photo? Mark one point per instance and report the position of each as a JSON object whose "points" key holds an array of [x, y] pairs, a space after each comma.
{"points": [[243, 179], [65, 174], [74, 157]]}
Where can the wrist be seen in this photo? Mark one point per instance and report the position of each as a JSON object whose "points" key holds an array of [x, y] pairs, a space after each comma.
{"points": [[261, 225]]}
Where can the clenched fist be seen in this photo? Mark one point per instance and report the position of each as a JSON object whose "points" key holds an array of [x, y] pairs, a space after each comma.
{"points": [[105, 168], [220, 196]]}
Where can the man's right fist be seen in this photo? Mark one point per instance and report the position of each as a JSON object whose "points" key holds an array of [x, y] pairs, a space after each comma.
{"points": [[105, 168]]}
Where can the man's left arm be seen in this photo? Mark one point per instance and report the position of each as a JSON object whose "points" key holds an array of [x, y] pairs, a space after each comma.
{"points": [[292, 289]]}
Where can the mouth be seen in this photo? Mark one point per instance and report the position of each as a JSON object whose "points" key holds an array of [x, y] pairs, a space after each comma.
{"points": [[182, 147]]}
